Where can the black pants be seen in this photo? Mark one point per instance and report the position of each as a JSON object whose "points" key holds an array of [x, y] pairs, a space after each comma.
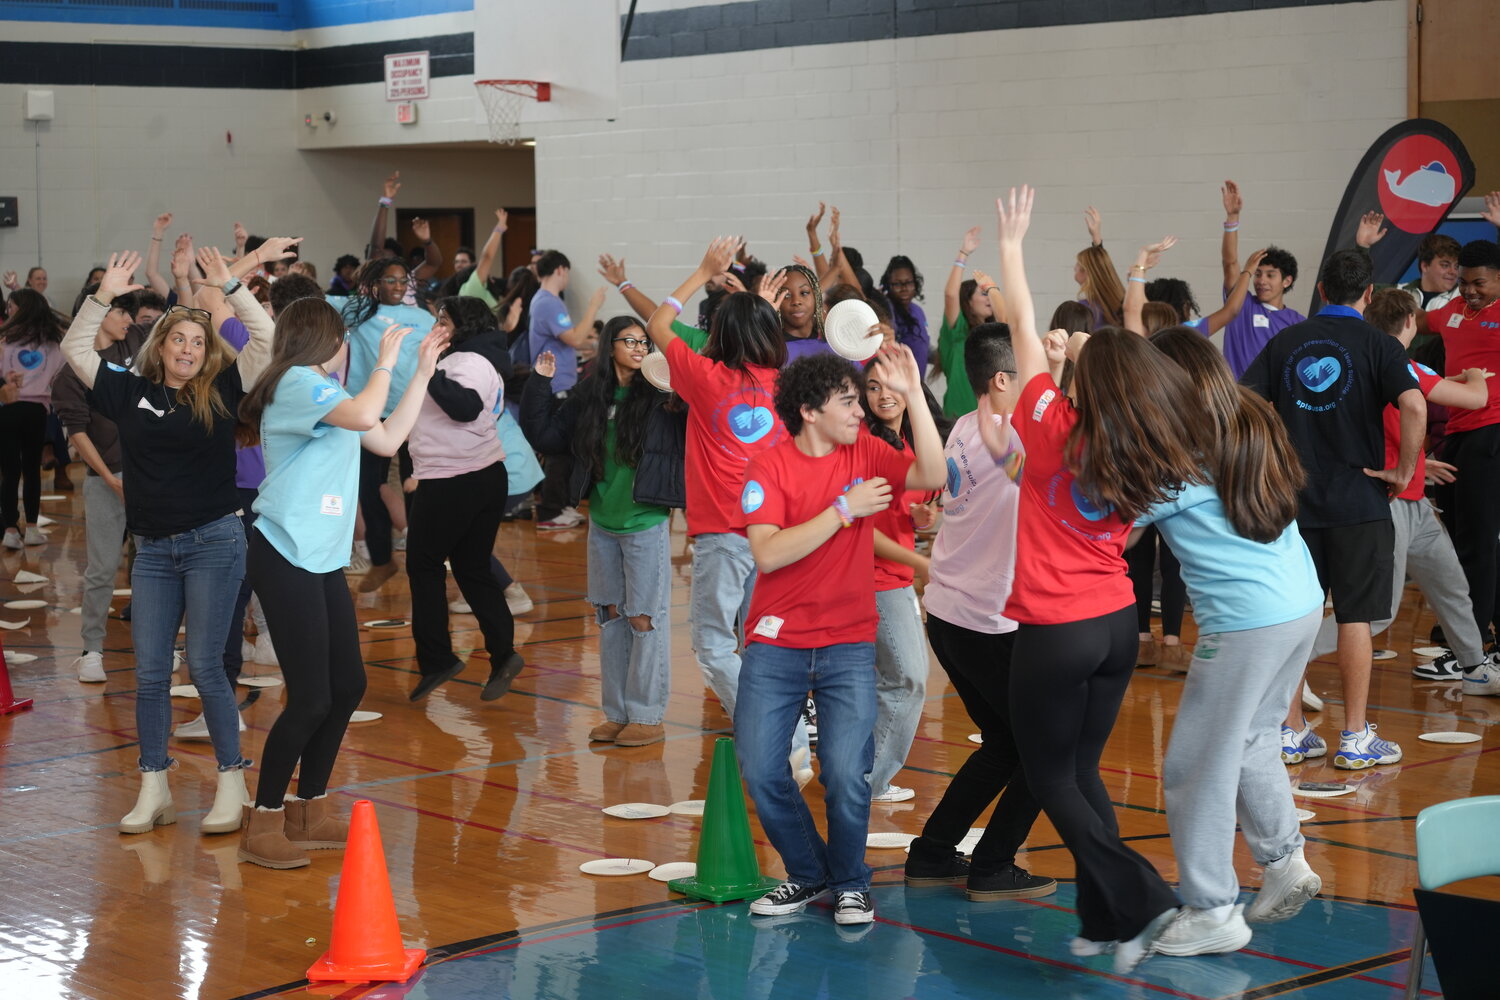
{"points": [[552, 494], [1141, 560], [23, 430], [1066, 685], [456, 520], [373, 471], [313, 616], [1471, 512], [978, 666]]}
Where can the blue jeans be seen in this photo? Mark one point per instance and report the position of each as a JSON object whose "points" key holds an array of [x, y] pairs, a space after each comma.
{"points": [[900, 681], [633, 573], [773, 688], [198, 571]]}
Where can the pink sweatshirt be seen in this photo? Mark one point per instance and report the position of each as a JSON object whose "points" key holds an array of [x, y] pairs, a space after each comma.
{"points": [[442, 447]]}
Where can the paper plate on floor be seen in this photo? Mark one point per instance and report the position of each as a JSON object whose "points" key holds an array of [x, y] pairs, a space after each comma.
{"points": [[616, 866], [1303, 815], [51, 497], [260, 682], [636, 810], [16, 659], [688, 807], [847, 330], [27, 576], [1384, 654], [25, 605], [183, 691], [1450, 737], [1430, 651], [386, 623], [889, 841], [122, 592], [674, 869], [976, 738], [1318, 793], [654, 367], [15, 625], [970, 841], [43, 521], [363, 716]]}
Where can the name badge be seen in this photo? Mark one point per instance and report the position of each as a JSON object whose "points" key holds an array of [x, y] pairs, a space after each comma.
{"points": [[332, 505], [769, 626], [1455, 321], [1259, 320]]}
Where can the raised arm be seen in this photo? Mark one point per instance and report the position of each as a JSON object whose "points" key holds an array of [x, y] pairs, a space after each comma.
{"points": [[842, 270], [815, 247], [716, 260], [376, 246], [579, 333], [613, 271], [256, 354], [1370, 231], [386, 437], [1135, 284], [1014, 214], [1220, 317], [78, 343], [952, 309], [154, 278], [432, 254], [1229, 249], [361, 412], [491, 246], [896, 368]]}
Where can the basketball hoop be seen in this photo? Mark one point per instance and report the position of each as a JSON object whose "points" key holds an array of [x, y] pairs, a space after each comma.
{"points": [[503, 102]]}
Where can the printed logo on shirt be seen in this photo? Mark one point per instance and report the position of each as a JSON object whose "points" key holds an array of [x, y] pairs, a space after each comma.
{"points": [[769, 626], [323, 393], [1043, 401], [332, 505], [113, 367], [1321, 367], [1455, 321], [752, 497], [1088, 508], [31, 359], [750, 423], [141, 404], [745, 418], [1417, 369], [564, 320], [954, 482], [1075, 510]]}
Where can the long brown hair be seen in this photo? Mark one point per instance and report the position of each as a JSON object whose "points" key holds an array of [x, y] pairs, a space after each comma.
{"points": [[199, 392], [1251, 460], [1101, 285], [1135, 443], [308, 332]]}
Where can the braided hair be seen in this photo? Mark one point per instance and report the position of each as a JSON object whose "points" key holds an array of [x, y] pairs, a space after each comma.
{"points": [[817, 291]]}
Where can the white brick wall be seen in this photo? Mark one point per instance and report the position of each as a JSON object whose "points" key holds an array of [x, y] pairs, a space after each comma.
{"points": [[912, 139]]}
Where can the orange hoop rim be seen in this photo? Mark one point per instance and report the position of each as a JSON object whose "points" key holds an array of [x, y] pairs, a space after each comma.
{"points": [[538, 90]]}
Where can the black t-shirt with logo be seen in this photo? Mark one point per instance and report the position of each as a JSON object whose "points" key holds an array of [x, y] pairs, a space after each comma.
{"points": [[1330, 377]]}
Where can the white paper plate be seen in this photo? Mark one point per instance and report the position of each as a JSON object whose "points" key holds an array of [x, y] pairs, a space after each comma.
{"points": [[16, 659], [688, 807], [15, 625], [183, 691], [616, 866], [970, 841], [25, 605], [387, 623], [1305, 793], [122, 592], [976, 738], [636, 810], [889, 841], [674, 869], [1451, 737], [1430, 651], [52, 497], [260, 682], [27, 576], [654, 366], [1384, 654], [847, 330], [363, 716], [43, 521], [1303, 815]]}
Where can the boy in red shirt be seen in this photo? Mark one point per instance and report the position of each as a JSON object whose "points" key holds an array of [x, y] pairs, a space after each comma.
{"points": [[806, 507]]}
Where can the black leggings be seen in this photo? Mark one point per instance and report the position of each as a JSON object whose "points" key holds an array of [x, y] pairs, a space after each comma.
{"points": [[373, 471], [312, 617], [1066, 685], [978, 665], [23, 430], [1140, 558]]}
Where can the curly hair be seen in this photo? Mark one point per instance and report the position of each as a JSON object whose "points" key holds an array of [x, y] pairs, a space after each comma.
{"points": [[810, 381]]}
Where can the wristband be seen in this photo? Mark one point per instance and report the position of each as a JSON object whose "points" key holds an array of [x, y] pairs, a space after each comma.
{"points": [[841, 508], [382, 368], [156, 239], [1134, 278], [960, 263], [498, 229], [387, 202], [624, 285], [230, 287], [989, 288], [674, 304], [818, 252], [1230, 227]]}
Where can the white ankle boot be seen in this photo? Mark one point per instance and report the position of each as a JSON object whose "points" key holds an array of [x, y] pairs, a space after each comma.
{"points": [[229, 803], [153, 807]]}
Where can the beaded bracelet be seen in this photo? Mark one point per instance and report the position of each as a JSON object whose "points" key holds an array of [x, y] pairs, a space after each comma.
{"points": [[841, 508], [818, 252], [674, 304]]}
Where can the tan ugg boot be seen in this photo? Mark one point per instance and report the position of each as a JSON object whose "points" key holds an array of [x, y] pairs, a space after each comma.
{"points": [[264, 841], [312, 824]]}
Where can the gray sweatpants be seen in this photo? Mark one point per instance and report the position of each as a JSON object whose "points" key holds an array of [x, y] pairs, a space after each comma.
{"points": [[1224, 758], [104, 529], [1425, 553]]}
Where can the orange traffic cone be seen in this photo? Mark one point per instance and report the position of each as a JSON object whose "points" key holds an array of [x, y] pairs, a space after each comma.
{"points": [[366, 944], [8, 702]]}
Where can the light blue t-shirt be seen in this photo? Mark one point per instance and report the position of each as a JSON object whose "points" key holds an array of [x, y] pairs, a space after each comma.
{"points": [[311, 491], [1235, 584], [364, 347], [549, 321]]}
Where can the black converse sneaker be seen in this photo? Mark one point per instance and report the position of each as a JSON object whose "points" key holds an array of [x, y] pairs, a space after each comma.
{"points": [[788, 897], [1009, 882], [854, 908], [1439, 668]]}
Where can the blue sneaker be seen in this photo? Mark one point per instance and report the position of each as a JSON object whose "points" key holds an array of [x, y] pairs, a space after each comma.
{"points": [[1363, 749], [1299, 746]]}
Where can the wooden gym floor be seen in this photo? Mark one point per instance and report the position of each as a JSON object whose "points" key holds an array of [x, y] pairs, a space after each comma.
{"points": [[487, 810]]}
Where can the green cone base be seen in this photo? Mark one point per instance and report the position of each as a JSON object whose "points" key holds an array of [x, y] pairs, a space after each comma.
{"points": [[727, 867]]}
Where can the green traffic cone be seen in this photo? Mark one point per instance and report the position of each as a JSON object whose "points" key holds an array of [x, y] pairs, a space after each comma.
{"points": [[727, 869]]}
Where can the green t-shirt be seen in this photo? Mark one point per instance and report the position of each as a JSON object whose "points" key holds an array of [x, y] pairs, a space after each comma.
{"points": [[958, 398], [690, 335], [473, 286], [612, 503]]}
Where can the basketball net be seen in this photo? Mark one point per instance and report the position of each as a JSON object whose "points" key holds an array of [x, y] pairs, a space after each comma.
{"points": [[504, 101]]}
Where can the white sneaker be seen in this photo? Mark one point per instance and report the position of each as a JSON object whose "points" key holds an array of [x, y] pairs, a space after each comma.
{"points": [[197, 729], [1129, 954], [1310, 701], [1289, 883], [358, 564], [1483, 679], [801, 761], [179, 662], [247, 651], [12, 539], [517, 599], [265, 653], [894, 793], [568, 517], [460, 607], [398, 542], [34, 535], [90, 667], [1196, 932]]}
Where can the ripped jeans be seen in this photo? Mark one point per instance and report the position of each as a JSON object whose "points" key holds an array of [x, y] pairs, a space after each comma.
{"points": [[633, 573]]}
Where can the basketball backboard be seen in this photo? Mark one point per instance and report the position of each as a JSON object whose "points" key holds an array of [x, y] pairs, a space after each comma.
{"points": [[572, 44]]}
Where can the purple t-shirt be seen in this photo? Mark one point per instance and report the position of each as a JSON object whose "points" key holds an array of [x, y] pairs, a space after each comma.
{"points": [[1247, 334], [549, 321], [913, 333], [249, 463], [805, 347]]}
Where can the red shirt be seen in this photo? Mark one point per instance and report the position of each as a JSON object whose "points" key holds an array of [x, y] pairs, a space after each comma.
{"points": [[1070, 554], [828, 596], [1415, 490], [1470, 342], [730, 419], [896, 524]]}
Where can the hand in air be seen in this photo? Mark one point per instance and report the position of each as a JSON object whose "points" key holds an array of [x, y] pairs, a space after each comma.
{"points": [[773, 288], [1233, 203], [1371, 229], [1095, 224], [393, 184], [815, 220], [422, 230], [390, 345], [896, 368], [546, 364], [162, 222], [719, 256], [215, 268], [1055, 344], [432, 348], [1150, 254], [277, 248], [118, 275], [613, 271], [994, 430], [970, 241], [1014, 214]]}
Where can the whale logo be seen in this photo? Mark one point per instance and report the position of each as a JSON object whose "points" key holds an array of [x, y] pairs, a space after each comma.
{"points": [[1429, 185], [1088, 507], [752, 497]]}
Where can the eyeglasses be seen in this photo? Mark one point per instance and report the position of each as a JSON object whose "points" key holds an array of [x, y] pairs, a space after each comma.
{"points": [[632, 343], [202, 315], [909, 283]]}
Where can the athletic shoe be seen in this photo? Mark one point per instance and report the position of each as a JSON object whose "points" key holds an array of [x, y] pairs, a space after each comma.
{"points": [[810, 719], [34, 535], [247, 651], [1084, 948], [501, 676], [788, 897], [934, 865], [198, 728], [1289, 884], [1439, 668], [1129, 954], [1009, 882], [1363, 749], [90, 667], [12, 539], [398, 542], [894, 793], [1297, 747], [801, 761], [1196, 932], [854, 908], [429, 682], [517, 599], [1310, 701], [265, 653], [460, 607], [1483, 679], [358, 564], [566, 518]]}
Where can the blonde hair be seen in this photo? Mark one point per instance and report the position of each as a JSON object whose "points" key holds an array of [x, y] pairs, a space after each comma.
{"points": [[199, 393]]}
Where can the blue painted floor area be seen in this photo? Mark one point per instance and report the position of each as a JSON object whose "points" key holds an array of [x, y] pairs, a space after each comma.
{"points": [[928, 944]]}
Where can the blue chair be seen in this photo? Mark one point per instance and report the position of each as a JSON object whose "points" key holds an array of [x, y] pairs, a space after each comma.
{"points": [[1455, 841]]}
